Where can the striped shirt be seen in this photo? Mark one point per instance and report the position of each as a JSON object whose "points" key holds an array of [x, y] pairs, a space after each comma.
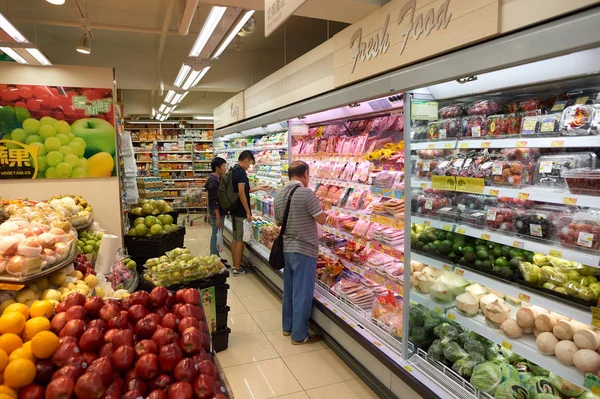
{"points": [[301, 231]]}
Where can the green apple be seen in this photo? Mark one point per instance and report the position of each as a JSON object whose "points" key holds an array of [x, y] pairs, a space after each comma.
{"points": [[98, 134]]}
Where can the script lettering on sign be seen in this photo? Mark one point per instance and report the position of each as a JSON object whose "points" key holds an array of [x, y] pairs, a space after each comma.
{"points": [[234, 111], [376, 45]]}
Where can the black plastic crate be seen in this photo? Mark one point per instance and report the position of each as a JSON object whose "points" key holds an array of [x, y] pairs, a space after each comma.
{"points": [[144, 248], [218, 280], [220, 339], [174, 215], [222, 317], [221, 295]]}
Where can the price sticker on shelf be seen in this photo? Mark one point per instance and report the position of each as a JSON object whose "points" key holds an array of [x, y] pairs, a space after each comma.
{"points": [[343, 317], [485, 236], [507, 345], [494, 192], [408, 368], [431, 146], [451, 316], [335, 311], [555, 252], [377, 343], [449, 145], [582, 100], [446, 227], [570, 201], [521, 144], [557, 143], [518, 244], [460, 272], [486, 144], [523, 196], [446, 267], [352, 325], [461, 230], [463, 144], [524, 298]]}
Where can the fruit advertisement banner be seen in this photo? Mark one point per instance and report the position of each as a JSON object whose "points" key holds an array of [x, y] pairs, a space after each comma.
{"points": [[56, 132], [209, 303]]}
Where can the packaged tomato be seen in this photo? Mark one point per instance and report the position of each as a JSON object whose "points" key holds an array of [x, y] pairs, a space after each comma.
{"points": [[512, 173], [500, 218], [583, 181], [577, 120], [451, 111], [581, 230], [474, 126], [484, 107]]}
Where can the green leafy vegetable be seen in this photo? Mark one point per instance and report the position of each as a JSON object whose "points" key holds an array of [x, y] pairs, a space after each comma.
{"points": [[486, 377], [474, 346], [453, 352], [436, 352], [511, 390]]}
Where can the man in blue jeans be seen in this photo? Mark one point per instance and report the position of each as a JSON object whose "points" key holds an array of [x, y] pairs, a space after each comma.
{"points": [[219, 167], [300, 250]]}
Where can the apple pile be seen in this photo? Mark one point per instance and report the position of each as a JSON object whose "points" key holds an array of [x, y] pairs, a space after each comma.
{"points": [[149, 345]]}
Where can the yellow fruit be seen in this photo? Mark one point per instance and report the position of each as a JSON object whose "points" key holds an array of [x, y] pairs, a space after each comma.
{"points": [[35, 326], [42, 308], [91, 281], [21, 353], [100, 165], [10, 342], [25, 294], [44, 344], [30, 302], [57, 278], [19, 373], [62, 290], [18, 307], [76, 273], [43, 284], [12, 322], [3, 361], [4, 396], [8, 392], [51, 294], [6, 304], [100, 292]]}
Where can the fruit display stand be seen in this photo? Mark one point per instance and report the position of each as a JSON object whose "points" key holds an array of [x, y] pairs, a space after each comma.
{"points": [[143, 248]]}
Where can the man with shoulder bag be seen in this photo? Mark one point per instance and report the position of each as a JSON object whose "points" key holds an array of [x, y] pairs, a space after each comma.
{"points": [[298, 211]]}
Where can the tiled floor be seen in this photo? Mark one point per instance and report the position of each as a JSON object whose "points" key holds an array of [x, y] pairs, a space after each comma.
{"points": [[260, 362]]}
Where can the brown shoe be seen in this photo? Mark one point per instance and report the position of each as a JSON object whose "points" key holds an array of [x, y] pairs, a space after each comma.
{"points": [[287, 333], [311, 339]]}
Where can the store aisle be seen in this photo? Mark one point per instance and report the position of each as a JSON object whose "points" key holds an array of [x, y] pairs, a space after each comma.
{"points": [[260, 362]]}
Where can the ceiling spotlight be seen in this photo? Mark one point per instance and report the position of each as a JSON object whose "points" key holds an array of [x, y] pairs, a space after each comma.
{"points": [[85, 44], [56, 2]]}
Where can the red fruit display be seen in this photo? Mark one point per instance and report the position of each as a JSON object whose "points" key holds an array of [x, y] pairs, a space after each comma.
{"points": [[64, 352], [137, 312], [58, 322], [161, 382], [102, 367], [187, 322], [92, 339], [180, 390], [89, 386], [158, 296], [43, 372], [191, 296], [74, 299], [89, 357], [188, 310], [169, 356], [157, 394], [60, 388], [32, 391], [67, 339], [116, 388], [169, 321], [61, 307], [124, 357], [179, 295], [108, 311], [147, 366], [207, 367], [146, 346], [99, 324], [80, 363], [70, 372], [107, 350], [119, 322], [191, 340], [138, 386], [76, 312], [122, 337], [204, 387], [126, 303], [155, 318], [145, 327], [140, 298], [93, 305], [164, 336], [185, 370], [73, 328]]}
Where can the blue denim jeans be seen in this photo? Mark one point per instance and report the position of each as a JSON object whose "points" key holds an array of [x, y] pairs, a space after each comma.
{"points": [[298, 292], [213, 237]]}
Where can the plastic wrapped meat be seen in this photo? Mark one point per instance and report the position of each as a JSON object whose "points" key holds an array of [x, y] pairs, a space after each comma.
{"points": [[367, 200], [391, 122], [338, 167], [384, 179], [361, 228], [348, 171], [355, 201], [362, 173]]}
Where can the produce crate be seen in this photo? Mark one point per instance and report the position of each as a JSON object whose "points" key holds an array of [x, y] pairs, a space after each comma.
{"points": [[220, 339], [221, 295], [174, 215], [222, 314], [144, 248], [218, 280]]}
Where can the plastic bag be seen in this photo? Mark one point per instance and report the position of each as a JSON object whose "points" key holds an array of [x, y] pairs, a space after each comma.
{"points": [[220, 245], [248, 236]]}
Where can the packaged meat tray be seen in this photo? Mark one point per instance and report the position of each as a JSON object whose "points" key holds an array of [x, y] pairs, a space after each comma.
{"points": [[550, 168], [512, 173], [536, 223], [577, 120], [484, 107], [474, 126], [583, 181], [580, 230], [451, 111], [500, 219], [445, 129]]}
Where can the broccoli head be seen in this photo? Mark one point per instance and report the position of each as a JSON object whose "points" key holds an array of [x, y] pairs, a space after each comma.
{"points": [[465, 337], [435, 351], [474, 346], [430, 321], [492, 354], [416, 316], [418, 335], [465, 366], [453, 352], [446, 333]]}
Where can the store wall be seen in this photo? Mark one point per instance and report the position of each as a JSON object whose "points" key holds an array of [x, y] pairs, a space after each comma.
{"points": [[102, 193]]}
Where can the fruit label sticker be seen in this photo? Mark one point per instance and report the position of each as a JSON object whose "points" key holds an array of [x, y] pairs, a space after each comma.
{"points": [[426, 166], [449, 145], [491, 214], [585, 239], [497, 169], [546, 166], [476, 131], [17, 160], [442, 133], [507, 345], [536, 230]]}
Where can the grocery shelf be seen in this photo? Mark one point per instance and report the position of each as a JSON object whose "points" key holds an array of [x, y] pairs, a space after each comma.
{"points": [[175, 170], [432, 262], [142, 152], [339, 233], [524, 346], [138, 161], [553, 141], [174, 152], [202, 170], [178, 160], [438, 224], [343, 183], [204, 152], [357, 214], [426, 145], [254, 148], [429, 302]]}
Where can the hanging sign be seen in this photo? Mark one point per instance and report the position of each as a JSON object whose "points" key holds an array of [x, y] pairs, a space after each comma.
{"points": [[277, 11], [299, 130]]}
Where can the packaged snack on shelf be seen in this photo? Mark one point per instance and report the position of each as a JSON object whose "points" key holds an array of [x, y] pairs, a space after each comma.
{"points": [[550, 168], [581, 230], [549, 125], [429, 204], [484, 107], [577, 120], [529, 125], [583, 181], [512, 173], [500, 218], [474, 126], [537, 223], [451, 111], [455, 166]]}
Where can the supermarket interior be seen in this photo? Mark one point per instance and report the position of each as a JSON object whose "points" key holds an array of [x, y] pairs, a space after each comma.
{"points": [[451, 144]]}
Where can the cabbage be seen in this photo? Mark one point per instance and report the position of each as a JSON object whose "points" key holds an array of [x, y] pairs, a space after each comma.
{"points": [[511, 390], [541, 385], [509, 373], [447, 287], [538, 370], [565, 387], [486, 377], [588, 395]]}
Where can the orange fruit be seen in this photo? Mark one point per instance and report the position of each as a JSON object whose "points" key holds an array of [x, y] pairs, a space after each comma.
{"points": [[19, 373], [42, 309], [44, 344], [34, 326], [12, 322], [3, 361], [5, 396], [10, 342], [8, 391], [21, 353], [18, 307]]}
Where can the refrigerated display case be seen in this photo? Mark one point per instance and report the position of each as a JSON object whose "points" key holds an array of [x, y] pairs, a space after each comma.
{"points": [[471, 269]]}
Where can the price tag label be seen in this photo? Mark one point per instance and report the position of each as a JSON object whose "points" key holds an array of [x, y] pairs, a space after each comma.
{"points": [[11, 287], [352, 325], [491, 214], [335, 311], [582, 100], [408, 368], [557, 143], [463, 144], [524, 298], [377, 343], [431, 146], [570, 201], [486, 144], [443, 182], [33, 265], [485, 236], [461, 230], [446, 227], [507, 345], [546, 166], [536, 230], [476, 131], [451, 316], [442, 134], [497, 169], [460, 272], [523, 196], [449, 145], [521, 144], [423, 185], [494, 192], [585, 239], [437, 310], [555, 252], [518, 244], [426, 166], [446, 267]]}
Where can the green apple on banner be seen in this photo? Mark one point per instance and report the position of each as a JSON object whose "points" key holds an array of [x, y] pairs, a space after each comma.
{"points": [[98, 134]]}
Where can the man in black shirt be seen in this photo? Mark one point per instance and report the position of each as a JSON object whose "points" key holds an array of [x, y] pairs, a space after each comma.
{"points": [[219, 167]]}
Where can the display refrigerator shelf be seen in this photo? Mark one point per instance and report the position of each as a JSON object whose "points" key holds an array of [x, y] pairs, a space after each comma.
{"points": [[142, 152], [425, 145], [141, 161], [23, 280], [432, 262], [180, 179], [339, 233], [202, 170], [531, 193], [438, 224], [429, 302], [356, 214], [524, 346], [254, 148], [342, 183], [204, 152], [555, 141]]}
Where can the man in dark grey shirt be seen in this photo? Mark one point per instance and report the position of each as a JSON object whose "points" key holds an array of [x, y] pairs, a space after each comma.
{"points": [[300, 249]]}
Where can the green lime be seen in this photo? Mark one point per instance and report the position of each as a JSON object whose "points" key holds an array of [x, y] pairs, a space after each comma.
{"points": [[501, 262]]}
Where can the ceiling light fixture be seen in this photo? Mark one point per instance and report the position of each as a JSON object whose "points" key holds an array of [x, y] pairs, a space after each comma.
{"points": [[14, 55], [85, 44], [184, 95], [216, 13], [204, 118], [11, 30], [169, 96], [168, 110], [176, 99], [162, 108], [153, 113], [232, 33], [56, 2], [183, 72], [157, 117], [39, 57], [194, 78]]}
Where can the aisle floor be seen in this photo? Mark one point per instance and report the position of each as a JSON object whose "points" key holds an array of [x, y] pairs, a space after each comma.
{"points": [[260, 362]]}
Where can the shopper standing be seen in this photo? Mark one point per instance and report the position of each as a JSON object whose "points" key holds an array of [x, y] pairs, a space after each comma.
{"points": [[300, 250], [219, 167]]}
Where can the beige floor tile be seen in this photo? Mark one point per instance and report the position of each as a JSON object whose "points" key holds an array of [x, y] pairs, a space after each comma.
{"points": [[297, 395], [247, 349], [268, 320], [242, 324], [354, 389], [257, 303], [248, 288], [318, 368], [261, 380], [283, 345], [235, 305]]}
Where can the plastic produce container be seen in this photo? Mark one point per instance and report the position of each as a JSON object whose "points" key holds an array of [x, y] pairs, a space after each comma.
{"points": [[451, 111], [499, 126], [549, 125], [474, 126], [583, 181], [500, 219], [429, 204], [581, 230], [537, 224], [484, 107], [550, 168], [474, 217], [577, 120], [512, 173]]}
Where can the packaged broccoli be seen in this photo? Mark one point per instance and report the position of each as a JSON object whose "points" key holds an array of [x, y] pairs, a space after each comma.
{"points": [[453, 352], [511, 390], [465, 337], [474, 346], [435, 351], [486, 377], [464, 367]]}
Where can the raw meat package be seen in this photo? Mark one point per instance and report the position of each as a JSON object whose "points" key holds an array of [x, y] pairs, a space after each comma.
{"points": [[550, 168], [577, 120], [451, 111], [361, 175], [581, 230], [384, 179], [423, 168], [583, 181], [484, 107], [361, 228], [500, 218], [355, 201], [512, 173], [474, 127]]}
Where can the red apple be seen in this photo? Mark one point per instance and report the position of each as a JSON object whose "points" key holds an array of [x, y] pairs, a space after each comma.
{"points": [[146, 346], [164, 336], [175, 308], [108, 311], [169, 356], [89, 357], [79, 362], [116, 388], [34, 391], [180, 390], [204, 387], [74, 299], [188, 322], [113, 301], [158, 296], [140, 298], [110, 334], [219, 396], [191, 296], [74, 328], [58, 322], [157, 394], [170, 300], [76, 312], [147, 366], [137, 385], [207, 367], [206, 341], [130, 375], [93, 305], [124, 357], [155, 318], [89, 386], [126, 303], [163, 310], [99, 324], [43, 372], [102, 367], [107, 350], [133, 395], [60, 388], [122, 337], [61, 308], [161, 382], [65, 352], [169, 321], [119, 322], [191, 340], [91, 340], [185, 371], [179, 295], [145, 327], [70, 372], [137, 312], [189, 310], [68, 339]]}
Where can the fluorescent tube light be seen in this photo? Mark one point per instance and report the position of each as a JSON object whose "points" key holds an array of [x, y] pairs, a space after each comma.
{"points": [[183, 72], [39, 57], [216, 13], [14, 55], [153, 112], [56, 2], [162, 107], [204, 118], [176, 99], [168, 110], [169, 96], [158, 116], [183, 96], [11, 30], [233, 33], [194, 78]]}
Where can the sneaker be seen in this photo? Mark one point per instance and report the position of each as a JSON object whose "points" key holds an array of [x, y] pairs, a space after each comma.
{"points": [[287, 333], [241, 271], [310, 339]]}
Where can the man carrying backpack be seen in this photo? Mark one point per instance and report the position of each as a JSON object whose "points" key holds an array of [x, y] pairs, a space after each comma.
{"points": [[234, 196]]}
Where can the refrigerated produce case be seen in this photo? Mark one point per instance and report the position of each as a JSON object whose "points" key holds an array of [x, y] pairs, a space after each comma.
{"points": [[496, 195]]}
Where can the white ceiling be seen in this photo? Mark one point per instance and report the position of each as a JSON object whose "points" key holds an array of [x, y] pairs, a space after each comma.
{"points": [[127, 35]]}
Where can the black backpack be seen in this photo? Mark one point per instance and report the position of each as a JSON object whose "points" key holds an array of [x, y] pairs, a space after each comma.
{"points": [[228, 199]]}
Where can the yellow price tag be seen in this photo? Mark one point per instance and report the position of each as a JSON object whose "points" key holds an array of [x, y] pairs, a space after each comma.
{"points": [[352, 325], [485, 236], [555, 252], [463, 145], [438, 310], [423, 185], [343, 318], [494, 192], [521, 144], [507, 345], [334, 310], [523, 196], [431, 146], [461, 230], [524, 298], [408, 368], [451, 316], [485, 144], [446, 227], [518, 244], [570, 201], [449, 145], [446, 267], [557, 143], [460, 272], [377, 343], [426, 223]]}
